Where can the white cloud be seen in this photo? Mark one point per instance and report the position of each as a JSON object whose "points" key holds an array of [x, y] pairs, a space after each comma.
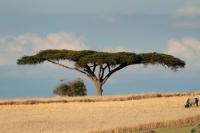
{"points": [[187, 49], [188, 10], [187, 24], [121, 49], [187, 15], [13, 47]]}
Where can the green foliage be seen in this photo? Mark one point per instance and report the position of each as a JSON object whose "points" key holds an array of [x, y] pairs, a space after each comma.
{"points": [[193, 130], [110, 58], [196, 129], [61, 89], [72, 88], [162, 59], [85, 57]]}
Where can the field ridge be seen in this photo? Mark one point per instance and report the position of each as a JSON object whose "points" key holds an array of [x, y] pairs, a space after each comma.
{"points": [[188, 121], [66, 99]]}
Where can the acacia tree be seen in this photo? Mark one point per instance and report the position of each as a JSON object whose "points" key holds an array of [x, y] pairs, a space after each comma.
{"points": [[99, 66]]}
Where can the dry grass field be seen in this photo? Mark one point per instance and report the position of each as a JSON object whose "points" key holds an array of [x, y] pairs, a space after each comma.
{"points": [[81, 117]]}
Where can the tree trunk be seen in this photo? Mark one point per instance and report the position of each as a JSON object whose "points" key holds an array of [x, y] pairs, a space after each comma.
{"points": [[99, 90]]}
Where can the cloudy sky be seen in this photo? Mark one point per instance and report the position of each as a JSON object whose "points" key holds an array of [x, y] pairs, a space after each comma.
{"points": [[28, 26]]}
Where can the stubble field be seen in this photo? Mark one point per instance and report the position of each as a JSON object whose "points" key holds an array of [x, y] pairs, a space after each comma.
{"points": [[82, 117]]}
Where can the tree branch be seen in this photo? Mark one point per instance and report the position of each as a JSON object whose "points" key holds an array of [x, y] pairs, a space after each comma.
{"points": [[113, 71], [102, 74], [94, 67], [100, 69], [108, 68], [105, 66], [103, 70], [57, 63], [89, 71]]}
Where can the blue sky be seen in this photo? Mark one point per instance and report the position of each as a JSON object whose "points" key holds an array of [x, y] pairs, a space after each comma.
{"points": [[27, 26]]}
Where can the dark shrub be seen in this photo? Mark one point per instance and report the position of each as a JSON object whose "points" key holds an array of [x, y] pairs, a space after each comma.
{"points": [[72, 88]]}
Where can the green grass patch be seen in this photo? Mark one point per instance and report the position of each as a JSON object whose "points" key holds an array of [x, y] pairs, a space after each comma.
{"points": [[174, 130], [195, 128]]}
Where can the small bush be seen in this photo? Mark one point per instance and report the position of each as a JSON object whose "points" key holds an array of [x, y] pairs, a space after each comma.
{"points": [[72, 88], [196, 129]]}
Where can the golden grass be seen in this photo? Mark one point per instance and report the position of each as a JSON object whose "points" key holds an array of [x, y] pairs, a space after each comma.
{"points": [[76, 117], [92, 98], [153, 125]]}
